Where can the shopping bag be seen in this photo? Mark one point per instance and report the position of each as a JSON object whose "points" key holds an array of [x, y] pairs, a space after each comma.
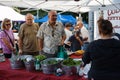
{"points": [[62, 52]]}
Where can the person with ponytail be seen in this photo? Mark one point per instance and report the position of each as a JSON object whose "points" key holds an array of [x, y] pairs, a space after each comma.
{"points": [[103, 54]]}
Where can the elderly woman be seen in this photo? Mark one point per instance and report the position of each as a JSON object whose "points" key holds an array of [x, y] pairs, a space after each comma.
{"points": [[7, 38], [104, 54]]}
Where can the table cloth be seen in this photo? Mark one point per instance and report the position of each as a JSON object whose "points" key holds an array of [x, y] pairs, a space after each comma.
{"points": [[7, 73]]}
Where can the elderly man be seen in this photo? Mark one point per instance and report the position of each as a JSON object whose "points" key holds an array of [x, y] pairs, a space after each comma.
{"points": [[28, 42], [84, 31], [84, 34], [51, 34]]}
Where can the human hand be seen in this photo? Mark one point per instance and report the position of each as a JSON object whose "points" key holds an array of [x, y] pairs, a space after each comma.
{"points": [[77, 37], [85, 39], [20, 51], [13, 49], [62, 43]]}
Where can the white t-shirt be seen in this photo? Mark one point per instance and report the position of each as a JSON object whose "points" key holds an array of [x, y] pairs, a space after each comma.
{"points": [[85, 33], [68, 34]]}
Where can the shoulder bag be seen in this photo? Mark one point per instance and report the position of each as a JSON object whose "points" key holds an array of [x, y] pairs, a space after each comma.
{"points": [[9, 38]]}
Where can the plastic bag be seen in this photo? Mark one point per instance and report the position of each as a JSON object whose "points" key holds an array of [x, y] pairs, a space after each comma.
{"points": [[62, 52]]}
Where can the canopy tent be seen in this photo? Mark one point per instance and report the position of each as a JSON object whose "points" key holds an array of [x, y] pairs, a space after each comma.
{"points": [[7, 12], [80, 6], [64, 5], [62, 18]]}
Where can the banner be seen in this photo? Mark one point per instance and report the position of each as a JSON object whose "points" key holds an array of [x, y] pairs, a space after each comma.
{"points": [[112, 15]]}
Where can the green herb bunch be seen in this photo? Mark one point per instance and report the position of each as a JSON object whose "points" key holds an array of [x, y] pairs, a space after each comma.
{"points": [[71, 62], [40, 57], [52, 62]]}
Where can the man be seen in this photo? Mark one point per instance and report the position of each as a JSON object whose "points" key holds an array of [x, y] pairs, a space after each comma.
{"points": [[84, 34], [28, 42], [84, 31], [51, 34]]}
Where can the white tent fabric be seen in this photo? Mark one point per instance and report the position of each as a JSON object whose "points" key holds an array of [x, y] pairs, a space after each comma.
{"points": [[7, 12], [64, 5], [92, 5]]}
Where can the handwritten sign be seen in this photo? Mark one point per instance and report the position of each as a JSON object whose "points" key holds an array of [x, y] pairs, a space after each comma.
{"points": [[112, 15]]}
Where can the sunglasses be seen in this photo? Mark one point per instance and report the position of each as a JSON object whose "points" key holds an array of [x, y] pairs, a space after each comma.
{"points": [[52, 33], [8, 24]]}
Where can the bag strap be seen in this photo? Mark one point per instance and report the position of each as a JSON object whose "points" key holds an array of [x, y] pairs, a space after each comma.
{"points": [[9, 38]]}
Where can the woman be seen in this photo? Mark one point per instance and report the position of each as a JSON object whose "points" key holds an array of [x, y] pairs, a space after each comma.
{"points": [[68, 35], [7, 38], [103, 54]]}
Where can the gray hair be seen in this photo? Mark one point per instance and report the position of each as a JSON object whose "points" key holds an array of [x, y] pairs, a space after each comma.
{"points": [[29, 14], [79, 22]]}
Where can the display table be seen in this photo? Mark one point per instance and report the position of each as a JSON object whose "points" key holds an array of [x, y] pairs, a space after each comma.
{"points": [[6, 73]]}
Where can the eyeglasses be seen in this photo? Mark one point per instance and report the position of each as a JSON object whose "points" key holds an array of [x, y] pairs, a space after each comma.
{"points": [[8, 24]]}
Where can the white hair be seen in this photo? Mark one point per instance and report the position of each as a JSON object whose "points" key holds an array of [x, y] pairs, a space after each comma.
{"points": [[78, 22]]}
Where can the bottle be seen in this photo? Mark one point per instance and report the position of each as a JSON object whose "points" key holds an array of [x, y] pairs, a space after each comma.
{"points": [[2, 57], [37, 64]]}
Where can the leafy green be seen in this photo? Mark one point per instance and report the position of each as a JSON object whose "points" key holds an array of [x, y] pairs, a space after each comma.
{"points": [[52, 62], [40, 57], [71, 62]]}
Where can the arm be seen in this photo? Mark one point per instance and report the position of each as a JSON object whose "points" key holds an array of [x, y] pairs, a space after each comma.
{"points": [[40, 36], [14, 42], [78, 38], [85, 34], [63, 35], [80, 41], [20, 43], [7, 44], [86, 57], [85, 39], [63, 39], [20, 39], [68, 43], [40, 41], [4, 39]]}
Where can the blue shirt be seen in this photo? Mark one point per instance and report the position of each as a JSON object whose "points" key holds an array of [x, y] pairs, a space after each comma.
{"points": [[75, 44]]}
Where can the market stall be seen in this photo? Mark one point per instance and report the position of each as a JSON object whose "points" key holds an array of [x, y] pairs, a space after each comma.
{"points": [[6, 73]]}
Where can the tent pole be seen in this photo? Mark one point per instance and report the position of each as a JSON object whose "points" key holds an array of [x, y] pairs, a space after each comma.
{"points": [[37, 13], [91, 25], [101, 13], [80, 17]]}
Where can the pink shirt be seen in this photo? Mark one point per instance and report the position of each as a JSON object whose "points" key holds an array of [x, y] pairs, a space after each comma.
{"points": [[2, 44]]}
